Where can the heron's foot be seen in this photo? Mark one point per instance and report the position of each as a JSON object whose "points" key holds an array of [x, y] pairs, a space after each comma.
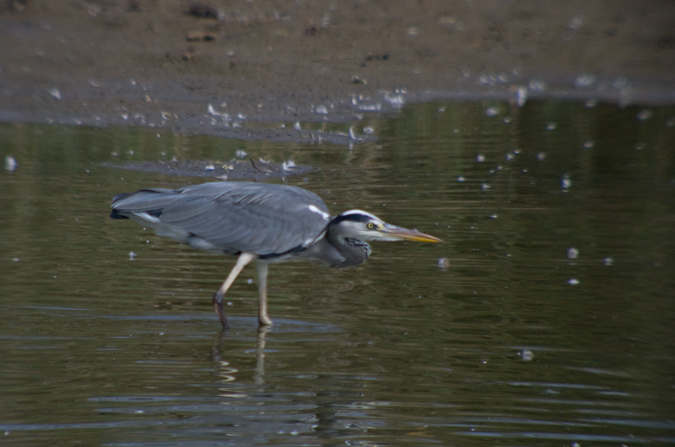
{"points": [[218, 307], [264, 320]]}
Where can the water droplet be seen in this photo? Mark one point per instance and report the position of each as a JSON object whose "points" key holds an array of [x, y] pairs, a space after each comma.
{"points": [[584, 80], [527, 355], [537, 85], [395, 99], [55, 92], [572, 253], [521, 96], [565, 181], [10, 163], [352, 135], [645, 115], [492, 111]]}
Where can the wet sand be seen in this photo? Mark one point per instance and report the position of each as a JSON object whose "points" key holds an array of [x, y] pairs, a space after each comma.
{"points": [[219, 67]]}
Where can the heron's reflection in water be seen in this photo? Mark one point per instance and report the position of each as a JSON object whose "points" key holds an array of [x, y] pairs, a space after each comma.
{"points": [[228, 373], [259, 376]]}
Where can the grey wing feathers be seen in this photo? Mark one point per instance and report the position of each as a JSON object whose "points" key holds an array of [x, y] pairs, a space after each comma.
{"points": [[234, 216]]}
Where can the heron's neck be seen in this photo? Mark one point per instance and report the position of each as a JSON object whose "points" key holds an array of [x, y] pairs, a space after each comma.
{"points": [[358, 245], [353, 251]]}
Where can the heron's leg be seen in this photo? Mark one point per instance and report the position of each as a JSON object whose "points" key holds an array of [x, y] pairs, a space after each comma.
{"points": [[263, 318], [243, 259]]}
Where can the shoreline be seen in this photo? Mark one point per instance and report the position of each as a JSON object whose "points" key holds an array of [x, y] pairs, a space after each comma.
{"points": [[196, 67]]}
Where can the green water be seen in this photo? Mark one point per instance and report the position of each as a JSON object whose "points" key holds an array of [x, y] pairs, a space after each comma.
{"points": [[516, 342]]}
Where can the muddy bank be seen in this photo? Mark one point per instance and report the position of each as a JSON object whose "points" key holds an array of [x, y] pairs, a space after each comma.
{"points": [[220, 67]]}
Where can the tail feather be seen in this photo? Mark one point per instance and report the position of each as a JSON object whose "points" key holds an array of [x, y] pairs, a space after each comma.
{"points": [[114, 214], [150, 201]]}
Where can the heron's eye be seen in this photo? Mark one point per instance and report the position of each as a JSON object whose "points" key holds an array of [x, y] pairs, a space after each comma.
{"points": [[370, 225]]}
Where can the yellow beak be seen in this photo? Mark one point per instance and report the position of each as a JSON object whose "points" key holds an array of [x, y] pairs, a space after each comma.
{"points": [[392, 232]]}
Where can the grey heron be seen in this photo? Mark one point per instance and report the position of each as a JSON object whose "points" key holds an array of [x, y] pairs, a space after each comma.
{"points": [[261, 222]]}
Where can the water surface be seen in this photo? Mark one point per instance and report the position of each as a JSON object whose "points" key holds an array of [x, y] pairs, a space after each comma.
{"points": [[550, 324]]}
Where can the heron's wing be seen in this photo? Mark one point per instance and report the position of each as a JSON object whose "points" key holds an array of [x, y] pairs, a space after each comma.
{"points": [[250, 217], [238, 216]]}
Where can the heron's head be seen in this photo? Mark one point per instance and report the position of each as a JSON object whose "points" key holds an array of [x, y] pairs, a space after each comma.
{"points": [[364, 226]]}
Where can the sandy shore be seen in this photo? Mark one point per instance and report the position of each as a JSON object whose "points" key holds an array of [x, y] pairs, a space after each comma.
{"points": [[216, 67]]}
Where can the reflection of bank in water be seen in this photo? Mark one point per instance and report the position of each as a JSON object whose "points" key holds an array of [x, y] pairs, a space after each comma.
{"points": [[230, 170]]}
